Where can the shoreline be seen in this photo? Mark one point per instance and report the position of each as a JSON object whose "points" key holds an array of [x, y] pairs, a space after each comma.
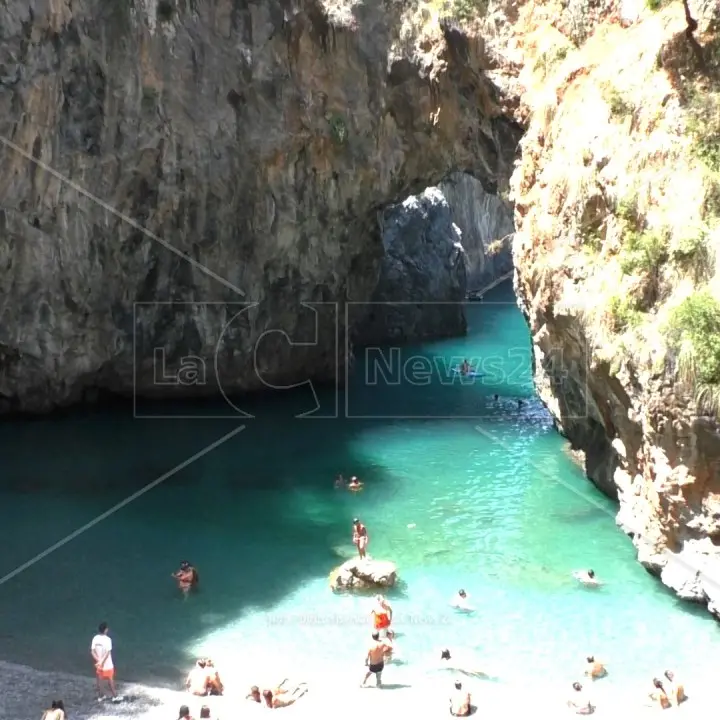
{"points": [[25, 693]]}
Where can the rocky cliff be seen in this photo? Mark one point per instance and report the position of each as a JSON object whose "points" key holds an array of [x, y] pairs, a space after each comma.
{"points": [[200, 183], [422, 286], [617, 213], [486, 224]]}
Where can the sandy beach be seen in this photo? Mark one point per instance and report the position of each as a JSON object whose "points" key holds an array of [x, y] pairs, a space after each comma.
{"points": [[25, 693]]}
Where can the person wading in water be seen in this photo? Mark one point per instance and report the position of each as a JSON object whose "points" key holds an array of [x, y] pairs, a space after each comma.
{"points": [[375, 659]]}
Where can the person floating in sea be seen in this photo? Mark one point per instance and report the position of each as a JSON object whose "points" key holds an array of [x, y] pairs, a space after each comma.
{"points": [[676, 691], [187, 578], [460, 701], [659, 696], [586, 577], [354, 485], [496, 397], [461, 602], [101, 651], [466, 666], [579, 703], [382, 617], [360, 538], [375, 659], [283, 695], [595, 669], [465, 367]]}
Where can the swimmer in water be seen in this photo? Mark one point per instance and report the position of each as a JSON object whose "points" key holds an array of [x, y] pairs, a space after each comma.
{"points": [[464, 665], [354, 485], [520, 404], [579, 702], [465, 367], [595, 669], [586, 577], [496, 398], [360, 538], [187, 578], [461, 602]]}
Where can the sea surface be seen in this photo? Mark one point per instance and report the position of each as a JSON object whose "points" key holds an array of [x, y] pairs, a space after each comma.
{"points": [[461, 490]]}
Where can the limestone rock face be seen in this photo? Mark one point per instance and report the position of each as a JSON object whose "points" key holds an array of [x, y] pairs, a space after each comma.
{"points": [[364, 574], [423, 276], [606, 369], [207, 180], [487, 225]]}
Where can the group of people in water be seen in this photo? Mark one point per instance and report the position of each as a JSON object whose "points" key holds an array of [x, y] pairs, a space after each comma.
{"points": [[204, 679]]}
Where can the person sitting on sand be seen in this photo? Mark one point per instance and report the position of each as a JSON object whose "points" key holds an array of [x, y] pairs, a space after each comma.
{"points": [[586, 577], [360, 538], [675, 691], [579, 703], [215, 685], [187, 577], [254, 694], [354, 485], [184, 713], [461, 602], [659, 695], [595, 669], [460, 701], [56, 711], [198, 679], [283, 695]]}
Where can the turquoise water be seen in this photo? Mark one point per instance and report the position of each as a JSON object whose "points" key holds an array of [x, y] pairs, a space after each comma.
{"points": [[470, 493]]}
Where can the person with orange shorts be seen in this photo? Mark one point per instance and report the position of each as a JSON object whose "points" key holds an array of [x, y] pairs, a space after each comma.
{"points": [[382, 617], [101, 651]]}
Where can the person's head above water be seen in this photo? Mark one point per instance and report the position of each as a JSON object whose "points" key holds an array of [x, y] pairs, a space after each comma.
{"points": [[577, 686], [376, 635], [462, 593], [204, 711], [445, 655], [670, 675], [356, 521], [591, 573], [591, 658], [201, 663], [658, 684], [184, 712], [184, 565], [458, 685]]}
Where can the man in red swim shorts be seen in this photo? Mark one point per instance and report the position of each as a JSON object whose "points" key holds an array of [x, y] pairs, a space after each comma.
{"points": [[101, 650]]}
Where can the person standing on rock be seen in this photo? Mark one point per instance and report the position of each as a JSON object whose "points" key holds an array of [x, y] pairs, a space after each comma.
{"points": [[360, 538]]}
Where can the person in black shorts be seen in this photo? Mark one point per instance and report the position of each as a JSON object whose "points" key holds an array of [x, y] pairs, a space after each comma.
{"points": [[375, 659]]}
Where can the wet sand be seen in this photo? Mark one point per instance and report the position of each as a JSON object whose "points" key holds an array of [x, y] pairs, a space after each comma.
{"points": [[25, 693]]}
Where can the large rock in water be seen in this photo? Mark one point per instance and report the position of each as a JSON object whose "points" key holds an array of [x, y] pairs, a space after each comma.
{"points": [[423, 276], [364, 574], [237, 154]]}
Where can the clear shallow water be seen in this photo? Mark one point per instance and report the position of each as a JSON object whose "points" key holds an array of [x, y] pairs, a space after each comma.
{"points": [[497, 508]]}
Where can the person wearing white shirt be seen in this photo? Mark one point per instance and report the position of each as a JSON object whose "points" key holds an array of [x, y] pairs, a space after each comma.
{"points": [[101, 651]]}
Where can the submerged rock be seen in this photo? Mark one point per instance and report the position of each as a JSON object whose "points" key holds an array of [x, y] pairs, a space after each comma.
{"points": [[423, 276], [364, 574]]}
